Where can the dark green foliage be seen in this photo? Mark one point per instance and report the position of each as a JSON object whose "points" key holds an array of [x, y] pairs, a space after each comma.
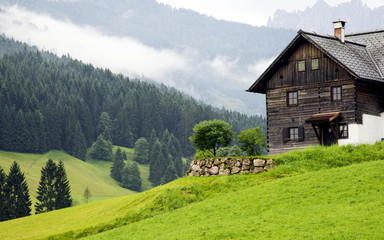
{"points": [[102, 149], [170, 174], [64, 104], [62, 187], [3, 179], [118, 164], [87, 194], [141, 151], [252, 141], [130, 175], [235, 151], [104, 126], [17, 199], [211, 135], [46, 191], [53, 191], [152, 140], [157, 159]]}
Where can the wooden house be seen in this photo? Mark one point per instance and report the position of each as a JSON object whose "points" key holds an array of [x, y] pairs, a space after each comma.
{"points": [[325, 90]]}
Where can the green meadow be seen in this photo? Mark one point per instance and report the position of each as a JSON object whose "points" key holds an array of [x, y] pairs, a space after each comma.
{"points": [[315, 193], [93, 174]]}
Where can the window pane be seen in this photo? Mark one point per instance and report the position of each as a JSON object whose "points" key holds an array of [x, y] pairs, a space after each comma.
{"points": [[336, 93], [343, 130], [294, 133], [292, 98], [315, 64], [301, 65]]}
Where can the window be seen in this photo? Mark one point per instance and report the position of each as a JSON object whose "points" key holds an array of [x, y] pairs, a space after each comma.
{"points": [[301, 65], [293, 134], [343, 130], [292, 98], [315, 64], [336, 93]]}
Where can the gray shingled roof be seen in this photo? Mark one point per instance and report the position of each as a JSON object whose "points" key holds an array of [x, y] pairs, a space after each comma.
{"points": [[362, 54]]}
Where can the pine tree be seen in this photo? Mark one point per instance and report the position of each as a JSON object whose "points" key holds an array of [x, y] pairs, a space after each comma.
{"points": [[152, 140], [141, 151], [46, 191], [105, 126], [130, 176], [3, 179], [117, 165], [62, 187], [156, 159], [18, 202], [169, 175]]}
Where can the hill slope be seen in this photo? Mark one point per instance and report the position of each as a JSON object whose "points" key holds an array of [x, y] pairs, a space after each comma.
{"points": [[92, 174], [344, 203], [312, 200]]}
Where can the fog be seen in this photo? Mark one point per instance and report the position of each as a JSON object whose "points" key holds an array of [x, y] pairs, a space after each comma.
{"points": [[220, 81]]}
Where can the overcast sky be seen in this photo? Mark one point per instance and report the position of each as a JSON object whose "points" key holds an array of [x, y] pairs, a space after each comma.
{"points": [[253, 12]]}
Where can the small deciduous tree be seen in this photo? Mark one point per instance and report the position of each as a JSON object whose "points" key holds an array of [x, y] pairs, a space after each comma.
{"points": [[211, 135], [87, 194], [102, 149], [252, 141]]}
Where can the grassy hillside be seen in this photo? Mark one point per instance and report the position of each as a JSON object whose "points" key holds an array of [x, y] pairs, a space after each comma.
{"points": [[343, 203], [92, 174], [304, 197]]}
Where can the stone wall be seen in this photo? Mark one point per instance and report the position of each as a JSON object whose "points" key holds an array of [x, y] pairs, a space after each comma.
{"points": [[229, 166]]}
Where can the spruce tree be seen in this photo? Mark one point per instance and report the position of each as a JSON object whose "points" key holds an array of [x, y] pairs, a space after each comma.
{"points": [[169, 175], [131, 176], [3, 179], [62, 187], [17, 199], [117, 165], [46, 191], [152, 140], [141, 151], [156, 159]]}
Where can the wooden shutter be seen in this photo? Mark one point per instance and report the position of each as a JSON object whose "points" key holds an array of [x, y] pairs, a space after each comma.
{"points": [[301, 134], [285, 135]]}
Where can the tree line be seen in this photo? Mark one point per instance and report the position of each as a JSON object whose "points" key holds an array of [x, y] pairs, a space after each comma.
{"points": [[53, 191], [60, 103]]}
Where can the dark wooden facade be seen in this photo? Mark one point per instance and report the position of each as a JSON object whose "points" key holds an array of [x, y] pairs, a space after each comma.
{"points": [[314, 96]]}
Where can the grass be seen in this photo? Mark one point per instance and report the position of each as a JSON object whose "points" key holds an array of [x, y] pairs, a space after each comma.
{"points": [[306, 196], [343, 203]]}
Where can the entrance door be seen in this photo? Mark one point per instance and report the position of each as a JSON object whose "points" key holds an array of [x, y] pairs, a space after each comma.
{"points": [[328, 136]]}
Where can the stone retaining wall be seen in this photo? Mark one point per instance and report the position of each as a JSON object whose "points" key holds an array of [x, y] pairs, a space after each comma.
{"points": [[229, 166]]}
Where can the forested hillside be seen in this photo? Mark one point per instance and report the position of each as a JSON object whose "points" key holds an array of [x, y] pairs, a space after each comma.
{"points": [[48, 103], [216, 60]]}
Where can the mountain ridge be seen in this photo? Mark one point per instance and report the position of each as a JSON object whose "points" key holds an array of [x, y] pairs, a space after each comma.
{"points": [[319, 17]]}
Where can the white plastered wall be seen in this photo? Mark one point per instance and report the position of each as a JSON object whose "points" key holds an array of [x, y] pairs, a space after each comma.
{"points": [[371, 131]]}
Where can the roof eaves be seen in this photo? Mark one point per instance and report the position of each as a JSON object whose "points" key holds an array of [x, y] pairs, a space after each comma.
{"points": [[275, 62]]}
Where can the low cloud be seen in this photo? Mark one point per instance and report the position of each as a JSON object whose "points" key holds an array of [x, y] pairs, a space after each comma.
{"points": [[123, 55], [220, 81]]}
